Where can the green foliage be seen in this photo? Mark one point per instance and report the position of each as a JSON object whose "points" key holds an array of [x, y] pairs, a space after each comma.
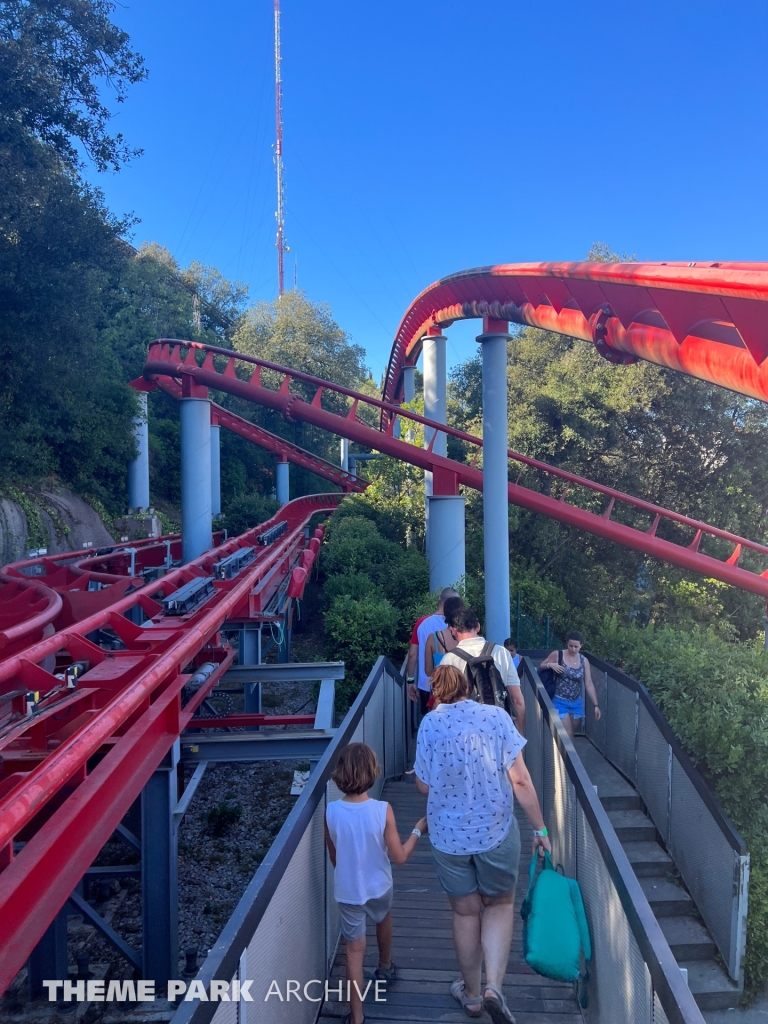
{"points": [[245, 513], [55, 57], [715, 696], [222, 817], [373, 588], [357, 632]]}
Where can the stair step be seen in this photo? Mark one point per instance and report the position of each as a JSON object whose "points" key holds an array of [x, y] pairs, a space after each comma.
{"points": [[648, 859], [615, 793], [666, 898], [710, 985], [632, 826], [688, 938]]}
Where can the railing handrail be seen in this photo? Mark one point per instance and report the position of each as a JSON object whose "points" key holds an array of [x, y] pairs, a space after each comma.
{"points": [[676, 998], [716, 809], [222, 962]]}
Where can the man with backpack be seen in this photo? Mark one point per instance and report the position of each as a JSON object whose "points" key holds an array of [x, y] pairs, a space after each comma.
{"points": [[489, 669]]}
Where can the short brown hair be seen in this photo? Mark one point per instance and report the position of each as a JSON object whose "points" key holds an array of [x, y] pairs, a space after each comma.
{"points": [[449, 684], [357, 769]]}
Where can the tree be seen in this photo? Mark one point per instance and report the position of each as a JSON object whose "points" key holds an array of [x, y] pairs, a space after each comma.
{"points": [[56, 56]]}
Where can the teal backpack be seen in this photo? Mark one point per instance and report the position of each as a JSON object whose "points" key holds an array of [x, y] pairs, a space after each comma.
{"points": [[556, 929]]}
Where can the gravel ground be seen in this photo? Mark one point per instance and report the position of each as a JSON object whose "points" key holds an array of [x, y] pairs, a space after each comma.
{"points": [[234, 816]]}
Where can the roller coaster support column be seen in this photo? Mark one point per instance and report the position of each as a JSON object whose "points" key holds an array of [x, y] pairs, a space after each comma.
{"points": [[409, 383], [433, 352], [215, 467], [446, 523], [159, 873], [250, 654], [138, 470], [195, 417], [495, 479], [344, 454], [282, 481], [49, 957]]}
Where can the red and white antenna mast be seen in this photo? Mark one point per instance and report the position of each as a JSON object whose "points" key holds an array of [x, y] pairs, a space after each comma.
{"points": [[281, 246]]}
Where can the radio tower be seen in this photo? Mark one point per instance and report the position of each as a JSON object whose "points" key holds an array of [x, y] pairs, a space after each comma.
{"points": [[281, 246]]}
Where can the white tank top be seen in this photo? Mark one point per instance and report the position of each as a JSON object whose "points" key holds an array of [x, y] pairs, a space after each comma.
{"points": [[363, 871]]}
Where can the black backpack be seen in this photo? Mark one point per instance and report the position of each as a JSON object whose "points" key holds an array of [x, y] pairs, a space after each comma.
{"points": [[484, 678]]}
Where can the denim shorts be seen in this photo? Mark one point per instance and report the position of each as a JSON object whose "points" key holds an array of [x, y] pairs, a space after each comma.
{"points": [[569, 707], [353, 917], [492, 873]]}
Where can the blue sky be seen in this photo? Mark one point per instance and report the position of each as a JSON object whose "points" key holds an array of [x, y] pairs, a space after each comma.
{"points": [[425, 137]]}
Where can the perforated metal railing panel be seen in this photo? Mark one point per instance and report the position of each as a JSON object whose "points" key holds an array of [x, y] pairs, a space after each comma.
{"points": [[596, 731], [621, 728], [703, 854], [290, 941], [653, 753], [620, 988]]}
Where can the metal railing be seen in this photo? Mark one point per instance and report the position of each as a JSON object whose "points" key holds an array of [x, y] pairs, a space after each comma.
{"points": [[634, 976], [285, 927], [709, 853]]}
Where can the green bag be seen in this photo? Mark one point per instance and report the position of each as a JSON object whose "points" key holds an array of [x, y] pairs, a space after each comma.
{"points": [[556, 929]]}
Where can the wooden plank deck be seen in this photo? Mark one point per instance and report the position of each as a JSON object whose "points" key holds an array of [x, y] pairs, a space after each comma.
{"points": [[423, 945]]}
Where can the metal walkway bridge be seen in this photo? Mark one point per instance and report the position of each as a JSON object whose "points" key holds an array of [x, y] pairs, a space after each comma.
{"points": [[654, 940]]}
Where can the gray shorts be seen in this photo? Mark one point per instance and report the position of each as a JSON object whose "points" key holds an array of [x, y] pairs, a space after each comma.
{"points": [[353, 916], [492, 873]]}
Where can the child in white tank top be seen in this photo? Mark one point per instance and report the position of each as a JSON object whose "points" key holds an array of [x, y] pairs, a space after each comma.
{"points": [[362, 837]]}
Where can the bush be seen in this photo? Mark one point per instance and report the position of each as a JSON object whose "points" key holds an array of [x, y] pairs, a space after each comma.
{"points": [[245, 513], [358, 631], [714, 695]]}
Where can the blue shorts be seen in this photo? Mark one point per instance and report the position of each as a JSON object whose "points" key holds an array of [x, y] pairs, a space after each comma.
{"points": [[569, 707]]}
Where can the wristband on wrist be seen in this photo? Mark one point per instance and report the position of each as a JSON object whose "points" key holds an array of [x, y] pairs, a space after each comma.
{"points": [[416, 832], [540, 832], [410, 679]]}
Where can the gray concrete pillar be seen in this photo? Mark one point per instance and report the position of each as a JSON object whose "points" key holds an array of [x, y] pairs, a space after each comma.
{"points": [[138, 470], [344, 454], [282, 481], [409, 383], [435, 408], [446, 551], [195, 414], [215, 469], [495, 480]]}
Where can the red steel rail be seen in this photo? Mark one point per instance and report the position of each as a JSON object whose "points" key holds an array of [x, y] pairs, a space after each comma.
{"points": [[271, 442], [176, 359], [126, 707], [709, 320], [27, 611]]}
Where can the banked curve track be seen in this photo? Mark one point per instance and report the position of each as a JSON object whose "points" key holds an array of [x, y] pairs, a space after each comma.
{"points": [[708, 320], [70, 772]]}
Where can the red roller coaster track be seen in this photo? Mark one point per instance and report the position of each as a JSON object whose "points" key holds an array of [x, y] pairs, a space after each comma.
{"points": [[708, 320], [127, 708], [175, 359]]}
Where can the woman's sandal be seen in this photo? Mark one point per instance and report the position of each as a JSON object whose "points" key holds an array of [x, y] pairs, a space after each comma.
{"points": [[496, 1006], [457, 991]]}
